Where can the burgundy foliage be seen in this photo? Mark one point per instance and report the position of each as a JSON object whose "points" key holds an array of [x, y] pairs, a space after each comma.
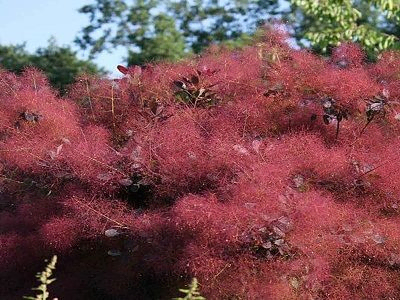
{"points": [[266, 173]]}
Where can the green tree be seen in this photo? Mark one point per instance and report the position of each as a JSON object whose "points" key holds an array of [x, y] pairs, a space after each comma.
{"points": [[60, 64], [14, 57], [167, 43], [372, 23], [154, 29]]}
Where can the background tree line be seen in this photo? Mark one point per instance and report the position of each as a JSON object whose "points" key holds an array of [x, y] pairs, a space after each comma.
{"points": [[152, 30], [60, 63]]}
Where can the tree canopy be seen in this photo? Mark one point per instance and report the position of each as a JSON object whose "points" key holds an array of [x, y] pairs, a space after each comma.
{"points": [[154, 29], [375, 24]]}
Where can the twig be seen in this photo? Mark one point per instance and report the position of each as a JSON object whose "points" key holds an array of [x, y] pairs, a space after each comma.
{"points": [[112, 105], [373, 169], [89, 98], [103, 164], [99, 213], [227, 265]]}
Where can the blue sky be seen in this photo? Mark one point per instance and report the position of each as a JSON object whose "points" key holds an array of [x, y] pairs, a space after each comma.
{"points": [[35, 21]]}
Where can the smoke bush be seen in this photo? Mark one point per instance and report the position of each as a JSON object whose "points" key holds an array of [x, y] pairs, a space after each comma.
{"points": [[266, 173]]}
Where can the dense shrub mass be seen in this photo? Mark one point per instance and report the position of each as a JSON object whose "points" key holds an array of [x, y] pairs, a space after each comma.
{"points": [[266, 173]]}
